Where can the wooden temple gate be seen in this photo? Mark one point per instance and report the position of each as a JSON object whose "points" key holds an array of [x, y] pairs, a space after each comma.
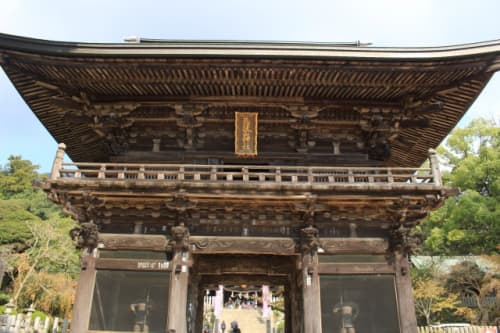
{"points": [[199, 164]]}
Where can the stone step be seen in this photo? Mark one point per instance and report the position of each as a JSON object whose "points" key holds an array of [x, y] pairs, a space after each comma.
{"points": [[249, 320]]}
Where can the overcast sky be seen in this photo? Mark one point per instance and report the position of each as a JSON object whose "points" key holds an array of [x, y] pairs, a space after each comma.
{"points": [[383, 23]]}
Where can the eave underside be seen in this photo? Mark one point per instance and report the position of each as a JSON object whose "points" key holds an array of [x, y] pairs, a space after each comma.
{"points": [[242, 209], [335, 85]]}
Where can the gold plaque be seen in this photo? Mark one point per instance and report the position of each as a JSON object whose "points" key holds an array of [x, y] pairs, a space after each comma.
{"points": [[245, 134]]}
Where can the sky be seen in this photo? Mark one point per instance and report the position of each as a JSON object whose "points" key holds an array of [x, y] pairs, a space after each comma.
{"points": [[385, 23]]}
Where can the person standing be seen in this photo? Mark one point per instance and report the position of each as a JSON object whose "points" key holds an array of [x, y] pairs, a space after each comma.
{"points": [[235, 328], [223, 326]]}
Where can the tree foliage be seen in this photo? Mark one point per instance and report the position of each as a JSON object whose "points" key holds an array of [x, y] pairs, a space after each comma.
{"points": [[433, 301], [468, 278], [468, 223], [17, 177], [38, 255]]}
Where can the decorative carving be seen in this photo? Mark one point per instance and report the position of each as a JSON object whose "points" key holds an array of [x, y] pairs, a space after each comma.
{"points": [[309, 240], [302, 126], [117, 141], [247, 245], [351, 245], [180, 237], [308, 209], [302, 141], [181, 205], [404, 240], [91, 204], [189, 120], [382, 125], [107, 120], [409, 211], [85, 235]]}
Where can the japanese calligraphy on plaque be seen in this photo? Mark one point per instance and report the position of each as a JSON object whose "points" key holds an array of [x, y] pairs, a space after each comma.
{"points": [[245, 134]]}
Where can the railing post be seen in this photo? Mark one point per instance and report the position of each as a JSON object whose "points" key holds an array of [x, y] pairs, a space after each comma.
{"points": [[141, 174], [102, 172], [180, 175], [350, 176], [278, 175], [245, 174], [436, 173], [390, 177], [213, 173], [310, 177], [58, 161]]}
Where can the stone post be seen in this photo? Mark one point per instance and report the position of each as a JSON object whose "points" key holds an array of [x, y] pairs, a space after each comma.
{"points": [[58, 161]]}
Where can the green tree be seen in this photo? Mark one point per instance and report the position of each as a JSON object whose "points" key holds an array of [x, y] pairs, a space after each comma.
{"points": [[468, 223], [50, 258], [17, 178], [433, 301], [38, 254]]}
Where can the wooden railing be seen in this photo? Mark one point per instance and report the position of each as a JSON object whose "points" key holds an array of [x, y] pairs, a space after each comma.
{"points": [[458, 329], [245, 174]]}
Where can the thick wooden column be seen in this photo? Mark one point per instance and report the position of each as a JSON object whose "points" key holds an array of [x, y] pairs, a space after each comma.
{"points": [[311, 301], [84, 292], [406, 305], [200, 306], [311, 294], [177, 300], [193, 302]]}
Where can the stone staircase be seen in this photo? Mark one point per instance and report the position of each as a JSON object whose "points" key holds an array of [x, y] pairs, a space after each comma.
{"points": [[249, 320]]}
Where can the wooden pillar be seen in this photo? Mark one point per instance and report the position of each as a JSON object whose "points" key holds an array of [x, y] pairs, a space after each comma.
{"points": [[58, 161], [84, 292], [198, 327], [311, 293], [436, 173], [406, 305], [293, 315], [177, 300], [193, 302]]}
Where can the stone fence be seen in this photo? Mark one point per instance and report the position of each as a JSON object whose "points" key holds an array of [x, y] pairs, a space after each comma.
{"points": [[24, 323]]}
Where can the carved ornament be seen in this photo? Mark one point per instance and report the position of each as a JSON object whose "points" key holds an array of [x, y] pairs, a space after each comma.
{"points": [[85, 235], [403, 239], [244, 245], [180, 237], [309, 240]]}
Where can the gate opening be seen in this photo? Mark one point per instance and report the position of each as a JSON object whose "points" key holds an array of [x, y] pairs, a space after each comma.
{"points": [[250, 307]]}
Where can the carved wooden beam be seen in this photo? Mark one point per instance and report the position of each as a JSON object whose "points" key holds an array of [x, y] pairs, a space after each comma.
{"points": [[249, 245], [117, 242], [354, 245], [359, 268]]}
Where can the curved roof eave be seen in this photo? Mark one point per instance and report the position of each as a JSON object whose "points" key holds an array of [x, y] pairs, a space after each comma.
{"points": [[244, 49]]}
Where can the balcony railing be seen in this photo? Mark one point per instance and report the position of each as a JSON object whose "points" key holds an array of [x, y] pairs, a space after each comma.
{"points": [[246, 174]]}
